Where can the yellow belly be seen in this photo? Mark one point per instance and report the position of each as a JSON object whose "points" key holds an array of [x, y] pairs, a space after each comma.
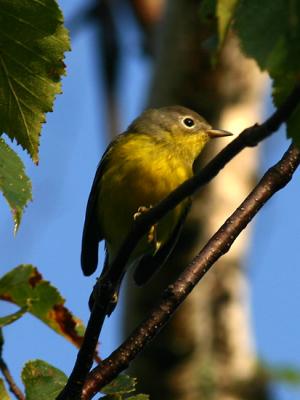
{"points": [[133, 183]]}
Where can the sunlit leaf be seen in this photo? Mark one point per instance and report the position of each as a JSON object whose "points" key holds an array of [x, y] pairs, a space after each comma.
{"points": [[271, 35], [25, 287], [42, 381], [122, 384], [14, 183], [3, 392], [33, 41], [225, 12]]}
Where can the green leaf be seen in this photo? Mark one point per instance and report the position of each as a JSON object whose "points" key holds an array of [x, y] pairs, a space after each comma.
{"points": [[261, 29], [120, 397], [9, 319], [3, 393], [42, 381], [282, 373], [14, 183], [271, 35], [225, 11], [122, 384], [282, 86], [25, 287], [286, 374], [33, 41]]}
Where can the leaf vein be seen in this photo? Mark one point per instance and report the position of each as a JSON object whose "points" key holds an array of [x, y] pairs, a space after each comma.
{"points": [[37, 29], [17, 101]]}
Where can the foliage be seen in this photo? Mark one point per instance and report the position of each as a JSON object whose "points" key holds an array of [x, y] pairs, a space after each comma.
{"points": [[280, 373], [25, 287], [14, 183], [271, 36], [3, 392], [120, 387], [33, 41], [42, 381]]}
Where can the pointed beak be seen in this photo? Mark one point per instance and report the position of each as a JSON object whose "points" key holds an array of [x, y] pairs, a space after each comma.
{"points": [[217, 133]]}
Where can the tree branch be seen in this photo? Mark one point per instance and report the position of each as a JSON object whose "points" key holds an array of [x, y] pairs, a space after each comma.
{"points": [[7, 375], [248, 138], [274, 179]]}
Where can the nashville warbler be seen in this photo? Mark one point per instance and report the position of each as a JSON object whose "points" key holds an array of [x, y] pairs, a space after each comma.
{"points": [[140, 168]]}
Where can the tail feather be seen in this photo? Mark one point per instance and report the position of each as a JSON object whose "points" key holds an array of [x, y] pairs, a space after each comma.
{"points": [[90, 244]]}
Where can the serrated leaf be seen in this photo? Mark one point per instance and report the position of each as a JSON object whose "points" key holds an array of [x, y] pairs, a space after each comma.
{"points": [[122, 384], [3, 392], [9, 319], [33, 41], [271, 35], [14, 183], [42, 381], [25, 287], [225, 12], [261, 29]]}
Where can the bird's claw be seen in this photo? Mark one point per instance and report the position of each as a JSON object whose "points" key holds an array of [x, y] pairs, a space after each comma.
{"points": [[141, 210], [152, 234]]}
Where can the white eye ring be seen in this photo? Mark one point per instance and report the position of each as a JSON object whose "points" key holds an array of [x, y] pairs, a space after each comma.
{"points": [[188, 122]]}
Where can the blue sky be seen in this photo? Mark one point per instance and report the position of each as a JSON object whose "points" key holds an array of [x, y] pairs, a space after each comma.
{"points": [[50, 234]]}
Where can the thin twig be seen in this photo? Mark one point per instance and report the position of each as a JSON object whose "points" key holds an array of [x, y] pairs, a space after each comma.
{"points": [[274, 179], [248, 138], [83, 364], [7, 375]]}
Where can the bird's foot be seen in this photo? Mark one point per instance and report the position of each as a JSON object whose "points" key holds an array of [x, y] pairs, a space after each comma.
{"points": [[152, 234], [152, 238], [141, 210], [103, 295]]}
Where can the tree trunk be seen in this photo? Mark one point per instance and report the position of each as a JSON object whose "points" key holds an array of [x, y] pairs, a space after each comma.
{"points": [[206, 351]]}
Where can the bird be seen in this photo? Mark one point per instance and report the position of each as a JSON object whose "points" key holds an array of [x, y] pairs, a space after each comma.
{"points": [[140, 167]]}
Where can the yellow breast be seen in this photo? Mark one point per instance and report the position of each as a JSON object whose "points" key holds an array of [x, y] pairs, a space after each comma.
{"points": [[142, 176]]}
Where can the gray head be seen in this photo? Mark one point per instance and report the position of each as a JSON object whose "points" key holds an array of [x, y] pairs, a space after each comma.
{"points": [[173, 119]]}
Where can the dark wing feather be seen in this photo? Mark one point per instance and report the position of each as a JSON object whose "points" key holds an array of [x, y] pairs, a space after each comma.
{"points": [[149, 264], [92, 234]]}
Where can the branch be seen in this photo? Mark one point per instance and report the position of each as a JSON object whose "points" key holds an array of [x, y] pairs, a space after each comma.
{"points": [[248, 138], [7, 375], [274, 179]]}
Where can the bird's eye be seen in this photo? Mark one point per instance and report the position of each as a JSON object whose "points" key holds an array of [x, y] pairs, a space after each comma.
{"points": [[188, 122]]}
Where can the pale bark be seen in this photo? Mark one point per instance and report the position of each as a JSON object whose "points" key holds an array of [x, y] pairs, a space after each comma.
{"points": [[207, 351]]}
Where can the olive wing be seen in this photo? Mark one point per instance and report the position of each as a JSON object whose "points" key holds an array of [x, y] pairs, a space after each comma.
{"points": [[92, 234]]}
